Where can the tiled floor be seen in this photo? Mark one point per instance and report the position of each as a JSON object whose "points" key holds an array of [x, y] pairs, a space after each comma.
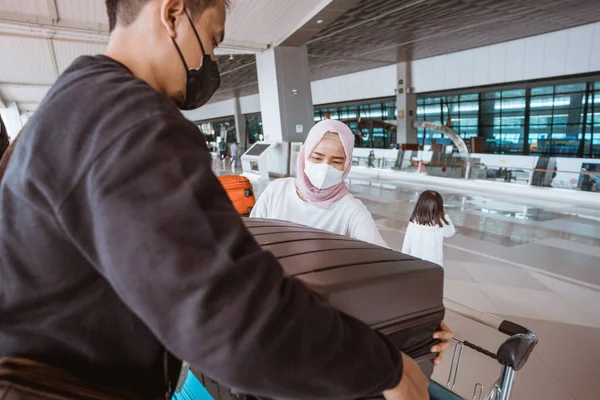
{"points": [[536, 264]]}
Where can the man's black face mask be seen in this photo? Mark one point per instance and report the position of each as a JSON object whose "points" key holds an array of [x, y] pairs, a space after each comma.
{"points": [[201, 83]]}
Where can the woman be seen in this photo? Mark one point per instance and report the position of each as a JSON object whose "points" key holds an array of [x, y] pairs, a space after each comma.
{"points": [[428, 226], [318, 197]]}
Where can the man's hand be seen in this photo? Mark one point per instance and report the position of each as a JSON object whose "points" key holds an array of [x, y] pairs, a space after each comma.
{"points": [[444, 335], [413, 385]]}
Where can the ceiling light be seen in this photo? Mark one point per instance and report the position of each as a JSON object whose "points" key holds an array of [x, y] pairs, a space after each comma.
{"points": [[320, 21]]}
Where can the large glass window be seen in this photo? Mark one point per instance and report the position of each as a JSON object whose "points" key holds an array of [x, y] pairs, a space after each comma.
{"points": [[552, 120], [592, 135], [544, 119], [254, 130], [503, 120], [461, 113], [373, 123], [389, 110], [223, 127], [556, 120]]}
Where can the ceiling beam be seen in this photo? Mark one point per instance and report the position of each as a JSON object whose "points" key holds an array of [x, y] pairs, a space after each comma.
{"points": [[16, 106], [241, 47], [53, 57], [27, 106], [38, 31], [26, 84], [49, 23], [352, 59], [53, 11], [238, 68], [22, 25]]}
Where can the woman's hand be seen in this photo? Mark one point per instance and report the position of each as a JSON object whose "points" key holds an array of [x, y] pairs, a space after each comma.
{"points": [[445, 336]]}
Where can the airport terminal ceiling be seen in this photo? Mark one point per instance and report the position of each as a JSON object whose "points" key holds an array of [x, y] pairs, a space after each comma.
{"points": [[375, 33], [42, 37]]}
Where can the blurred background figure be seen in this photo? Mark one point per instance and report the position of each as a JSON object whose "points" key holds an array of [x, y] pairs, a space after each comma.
{"points": [[233, 149]]}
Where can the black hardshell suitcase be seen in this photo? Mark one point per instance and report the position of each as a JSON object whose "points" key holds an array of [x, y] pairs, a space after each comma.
{"points": [[396, 294]]}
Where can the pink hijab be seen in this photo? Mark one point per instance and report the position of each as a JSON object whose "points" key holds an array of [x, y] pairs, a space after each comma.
{"points": [[327, 197]]}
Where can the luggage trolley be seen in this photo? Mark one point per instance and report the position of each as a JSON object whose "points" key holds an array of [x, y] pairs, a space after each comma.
{"points": [[512, 355], [349, 271]]}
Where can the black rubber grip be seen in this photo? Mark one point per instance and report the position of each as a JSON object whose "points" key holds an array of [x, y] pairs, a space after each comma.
{"points": [[510, 328], [481, 350]]}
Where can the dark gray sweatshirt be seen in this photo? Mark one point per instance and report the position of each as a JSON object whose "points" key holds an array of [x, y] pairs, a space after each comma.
{"points": [[116, 241]]}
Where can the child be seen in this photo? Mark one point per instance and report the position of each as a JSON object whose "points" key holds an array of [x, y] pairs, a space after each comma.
{"points": [[428, 226]]}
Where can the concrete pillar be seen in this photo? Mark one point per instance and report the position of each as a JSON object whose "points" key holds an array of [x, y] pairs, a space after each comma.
{"points": [[240, 124], [285, 101], [406, 103], [12, 119]]}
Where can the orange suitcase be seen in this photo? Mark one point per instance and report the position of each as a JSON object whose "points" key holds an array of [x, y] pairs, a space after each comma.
{"points": [[239, 190]]}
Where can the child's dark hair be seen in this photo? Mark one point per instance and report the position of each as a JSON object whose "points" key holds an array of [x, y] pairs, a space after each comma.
{"points": [[429, 210]]}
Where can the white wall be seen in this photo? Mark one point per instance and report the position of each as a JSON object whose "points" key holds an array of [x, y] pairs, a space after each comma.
{"points": [[566, 52], [212, 110], [250, 104], [373, 83], [225, 108], [506, 160]]}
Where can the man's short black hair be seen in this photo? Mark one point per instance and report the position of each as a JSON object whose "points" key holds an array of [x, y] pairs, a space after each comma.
{"points": [[125, 12]]}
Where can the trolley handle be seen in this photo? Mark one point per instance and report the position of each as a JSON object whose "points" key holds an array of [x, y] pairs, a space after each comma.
{"points": [[510, 328], [515, 351]]}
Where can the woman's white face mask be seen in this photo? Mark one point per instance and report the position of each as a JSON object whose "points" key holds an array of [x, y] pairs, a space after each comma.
{"points": [[322, 176]]}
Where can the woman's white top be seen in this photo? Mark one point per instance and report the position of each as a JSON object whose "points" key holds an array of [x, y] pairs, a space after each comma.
{"points": [[427, 242], [348, 216]]}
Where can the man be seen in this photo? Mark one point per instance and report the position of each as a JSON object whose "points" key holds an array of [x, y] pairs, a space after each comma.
{"points": [[117, 242], [222, 149]]}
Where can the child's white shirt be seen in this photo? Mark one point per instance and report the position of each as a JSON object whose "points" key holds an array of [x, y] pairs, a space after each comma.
{"points": [[427, 242]]}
